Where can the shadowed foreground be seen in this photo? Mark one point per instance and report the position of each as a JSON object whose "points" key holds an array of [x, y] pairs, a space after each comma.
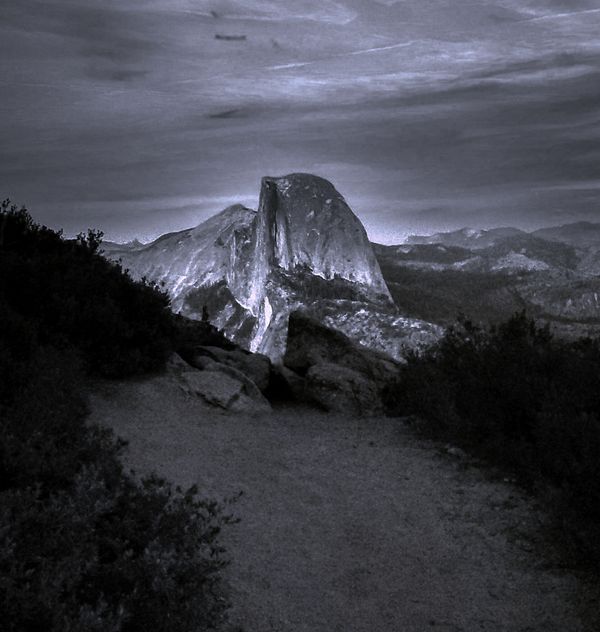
{"points": [[348, 524]]}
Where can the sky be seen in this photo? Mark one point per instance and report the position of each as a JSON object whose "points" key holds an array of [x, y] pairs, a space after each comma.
{"points": [[132, 117]]}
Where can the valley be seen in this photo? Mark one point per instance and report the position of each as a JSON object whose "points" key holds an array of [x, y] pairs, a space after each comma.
{"points": [[488, 275]]}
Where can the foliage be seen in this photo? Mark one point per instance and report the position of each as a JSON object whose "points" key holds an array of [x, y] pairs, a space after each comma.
{"points": [[84, 546], [521, 399], [439, 296], [101, 556], [71, 296]]}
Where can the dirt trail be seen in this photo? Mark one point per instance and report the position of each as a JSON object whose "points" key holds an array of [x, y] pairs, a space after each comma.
{"points": [[348, 525]]}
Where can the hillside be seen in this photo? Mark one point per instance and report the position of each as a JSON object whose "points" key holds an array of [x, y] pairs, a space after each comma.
{"points": [[86, 545], [488, 275], [348, 519]]}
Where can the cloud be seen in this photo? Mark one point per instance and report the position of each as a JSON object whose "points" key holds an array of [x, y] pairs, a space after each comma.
{"points": [[562, 16], [312, 10], [226, 114], [409, 105], [114, 43]]}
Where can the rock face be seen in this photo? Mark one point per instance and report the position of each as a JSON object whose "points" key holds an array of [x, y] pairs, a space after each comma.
{"points": [[219, 385], [200, 267], [254, 366], [339, 374], [304, 248], [308, 246], [305, 224]]}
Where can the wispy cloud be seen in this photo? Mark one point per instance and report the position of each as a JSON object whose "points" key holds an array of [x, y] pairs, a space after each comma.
{"points": [[407, 105], [562, 16], [378, 49]]}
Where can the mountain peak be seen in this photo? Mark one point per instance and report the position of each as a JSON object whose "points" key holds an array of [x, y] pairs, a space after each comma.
{"points": [[236, 213], [302, 184], [304, 247], [306, 223]]}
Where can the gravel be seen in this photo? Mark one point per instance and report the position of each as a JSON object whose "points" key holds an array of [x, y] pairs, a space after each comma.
{"points": [[349, 525]]}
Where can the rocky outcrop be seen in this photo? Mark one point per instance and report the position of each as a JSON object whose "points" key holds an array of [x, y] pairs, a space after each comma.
{"points": [[254, 366], [219, 385], [339, 374], [305, 224], [340, 389], [307, 244]]}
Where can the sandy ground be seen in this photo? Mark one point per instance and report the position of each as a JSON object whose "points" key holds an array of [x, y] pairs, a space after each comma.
{"points": [[349, 525]]}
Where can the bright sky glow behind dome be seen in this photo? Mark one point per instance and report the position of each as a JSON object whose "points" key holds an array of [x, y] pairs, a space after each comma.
{"points": [[130, 116]]}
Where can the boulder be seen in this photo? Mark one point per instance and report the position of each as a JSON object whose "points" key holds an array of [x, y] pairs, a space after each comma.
{"points": [[340, 389], [286, 384], [310, 343], [176, 364], [219, 385], [255, 366], [339, 374]]}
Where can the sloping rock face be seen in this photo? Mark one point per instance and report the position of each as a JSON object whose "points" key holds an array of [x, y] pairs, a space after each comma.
{"points": [[254, 366], [339, 375], [218, 385], [308, 248], [304, 248], [304, 224], [198, 257], [199, 267]]}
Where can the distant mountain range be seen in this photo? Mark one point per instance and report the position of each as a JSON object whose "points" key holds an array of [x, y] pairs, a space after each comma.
{"points": [[577, 234], [305, 248], [553, 273], [466, 237]]}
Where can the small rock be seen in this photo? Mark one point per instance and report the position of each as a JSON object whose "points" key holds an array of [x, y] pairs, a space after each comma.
{"points": [[340, 389], [457, 452]]}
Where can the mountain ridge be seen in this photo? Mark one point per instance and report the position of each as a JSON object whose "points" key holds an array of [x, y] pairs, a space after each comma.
{"points": [[303, 248], [574, 233]]}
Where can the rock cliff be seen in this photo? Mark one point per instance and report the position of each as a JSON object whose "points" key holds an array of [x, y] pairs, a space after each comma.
{"points": [[307, 246], [304, 223], [304, 248]]}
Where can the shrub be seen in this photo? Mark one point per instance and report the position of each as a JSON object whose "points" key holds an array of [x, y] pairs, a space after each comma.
{"points": [[85, 546], [522, 400], [71, 296], [105, 555]]}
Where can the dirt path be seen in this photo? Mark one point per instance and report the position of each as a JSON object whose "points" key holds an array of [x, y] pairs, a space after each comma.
{"points": [[348, 525]]}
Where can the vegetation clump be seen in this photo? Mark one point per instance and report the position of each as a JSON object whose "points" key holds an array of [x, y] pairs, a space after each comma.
{"points": [[521, 399], [83, 544]]}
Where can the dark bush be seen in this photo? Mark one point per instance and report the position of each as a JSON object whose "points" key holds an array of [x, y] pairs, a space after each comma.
{"points": [[439, 295], [69, 295], [85, 546], [521, 399], [102, 555]]}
